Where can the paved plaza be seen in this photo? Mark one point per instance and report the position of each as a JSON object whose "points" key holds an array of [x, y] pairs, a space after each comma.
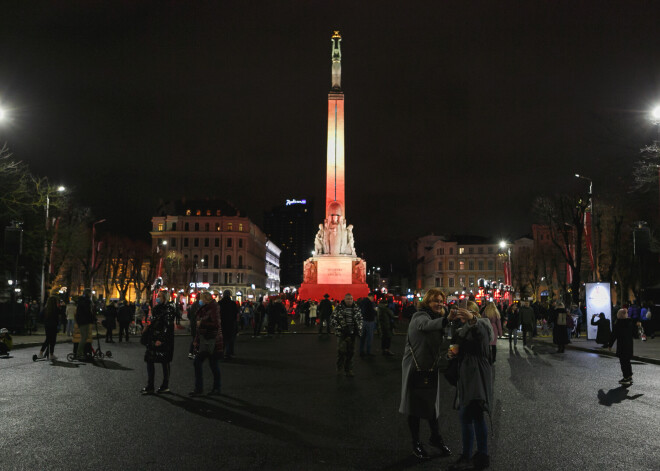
{"points": [[283, 407]]}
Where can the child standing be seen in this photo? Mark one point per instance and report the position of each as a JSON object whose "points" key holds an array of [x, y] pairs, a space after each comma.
{"points": [[622, 334]]}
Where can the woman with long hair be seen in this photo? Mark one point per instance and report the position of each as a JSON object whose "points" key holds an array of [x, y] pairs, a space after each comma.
{"points": [[493, 315], [159, 340], [422, 352]]}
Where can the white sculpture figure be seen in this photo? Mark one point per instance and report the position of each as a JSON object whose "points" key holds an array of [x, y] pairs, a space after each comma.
{"points": [[350, 241], [343, 242], [333, 234], [319, 241]]}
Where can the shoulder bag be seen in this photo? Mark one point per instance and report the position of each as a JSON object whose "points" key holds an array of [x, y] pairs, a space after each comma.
{"points": [[422, 379]]}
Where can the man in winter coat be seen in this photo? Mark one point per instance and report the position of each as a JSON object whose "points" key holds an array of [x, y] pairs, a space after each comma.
{"points": [[124, 315], [347, 322], [622, 334], [110, 321], [369, 324], [325, 311], [229, 317], [84, 319], [208, 343], [528, 321], [192, 317]]}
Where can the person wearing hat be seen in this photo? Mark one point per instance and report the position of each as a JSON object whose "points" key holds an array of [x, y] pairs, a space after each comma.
{"points": [[325, 311], [229, 318]]}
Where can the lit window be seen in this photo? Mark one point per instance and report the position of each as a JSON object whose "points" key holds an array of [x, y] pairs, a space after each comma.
{"points": [[230, 226], [160, 226], [198, 212], [240, 228], [217, 226], [208, 212], [217, 213], [188, 212], [461, 264], [461, 281], [461, 250]]}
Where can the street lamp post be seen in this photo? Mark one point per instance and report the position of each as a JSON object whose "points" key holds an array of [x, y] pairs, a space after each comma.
{"points": [[60, 189]]}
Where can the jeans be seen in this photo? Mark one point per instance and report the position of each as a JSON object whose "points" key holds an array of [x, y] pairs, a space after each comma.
{"points": [[151, 373], [69, 327], [513, 336], [345, 351], [215, 369], [367, 338], [84, 335], [473, 423]]}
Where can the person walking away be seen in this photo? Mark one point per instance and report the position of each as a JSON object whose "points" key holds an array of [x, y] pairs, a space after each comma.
{"points": [[229, 317], [259, 313], [124, 319], [603, 333], [6, 342], [475, 384], [622, 334], [347, 322], [110, 321], [528, 321], [493, 315], [386, 319], [276, 312], [51, 321], [208, 343], [70, 317], [560, 319], [159, 342], [369, 324], [325, 311], [312, 313], [513, 324], [192, 318], [647, 320], [422, 351]]}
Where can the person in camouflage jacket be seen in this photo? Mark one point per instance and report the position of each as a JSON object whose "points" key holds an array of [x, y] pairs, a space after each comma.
{"points": [[347, 323]]}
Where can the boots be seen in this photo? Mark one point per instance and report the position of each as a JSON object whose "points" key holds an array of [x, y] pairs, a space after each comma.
{"points": [[439, 443]]}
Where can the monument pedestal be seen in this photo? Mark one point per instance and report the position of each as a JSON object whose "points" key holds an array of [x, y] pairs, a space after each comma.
{"points": [[335, 275]]}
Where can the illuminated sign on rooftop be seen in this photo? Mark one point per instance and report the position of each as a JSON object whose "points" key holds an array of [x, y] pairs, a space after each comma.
{"points": [[290, 202]]}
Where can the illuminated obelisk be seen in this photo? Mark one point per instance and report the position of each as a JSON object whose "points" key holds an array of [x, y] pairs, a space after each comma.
{"points": [[335, 268]]}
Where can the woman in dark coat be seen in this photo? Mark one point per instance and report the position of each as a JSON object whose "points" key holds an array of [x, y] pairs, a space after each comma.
{"points": [[110, 321], [208, 343], [622, 334], [159, 336], [425, 333], [604, 331], [51, 319], [559, 329], [475, 382]]}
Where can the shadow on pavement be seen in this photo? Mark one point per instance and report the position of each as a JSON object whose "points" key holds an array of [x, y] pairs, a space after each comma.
{"points": [[411, 462], [615, 396], [110, 365], [65, 364]]}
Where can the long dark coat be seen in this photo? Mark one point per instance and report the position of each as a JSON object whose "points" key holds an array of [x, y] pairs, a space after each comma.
{"points": [[111, 317], [604, 331], [475, 375], [559, 332], [425, 335], [622, 334], [161, 329], [229, 316]]}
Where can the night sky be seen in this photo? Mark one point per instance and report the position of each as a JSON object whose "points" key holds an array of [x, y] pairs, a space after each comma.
{"points": [[458, 114]]}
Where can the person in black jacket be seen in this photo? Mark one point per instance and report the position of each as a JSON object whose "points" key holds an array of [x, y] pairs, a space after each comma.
{"points": [[124, 315], [110, 321], [604, 331], [512, 324], [51, 319], [259, 313], [325, 311], [622, 334], [84, 318], [159, 340], [229, 319]]}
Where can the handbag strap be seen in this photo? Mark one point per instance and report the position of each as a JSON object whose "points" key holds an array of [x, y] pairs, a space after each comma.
{"points": [[412, 350]]}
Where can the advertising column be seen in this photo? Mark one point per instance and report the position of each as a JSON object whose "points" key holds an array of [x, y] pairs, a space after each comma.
{"points": [[598, 300]]}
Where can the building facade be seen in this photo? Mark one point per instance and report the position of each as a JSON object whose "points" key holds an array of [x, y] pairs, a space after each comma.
{"points": [[209, 244], [291, 227]]}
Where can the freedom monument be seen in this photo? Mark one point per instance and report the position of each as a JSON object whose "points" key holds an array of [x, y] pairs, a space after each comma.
{"points": [[335, 269]]}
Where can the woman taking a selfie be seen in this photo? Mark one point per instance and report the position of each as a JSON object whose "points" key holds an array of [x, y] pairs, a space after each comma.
{"points": [[421, 399], [475, 383]]}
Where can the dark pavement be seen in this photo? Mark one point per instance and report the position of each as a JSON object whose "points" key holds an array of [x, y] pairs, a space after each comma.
{"points": [[283, 407]]}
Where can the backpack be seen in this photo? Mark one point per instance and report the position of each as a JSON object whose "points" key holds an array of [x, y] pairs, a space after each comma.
{"points": [[561, 318]]}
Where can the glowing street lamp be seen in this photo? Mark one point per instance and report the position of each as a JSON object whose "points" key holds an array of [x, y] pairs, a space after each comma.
{"points": [[3, 114]]}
